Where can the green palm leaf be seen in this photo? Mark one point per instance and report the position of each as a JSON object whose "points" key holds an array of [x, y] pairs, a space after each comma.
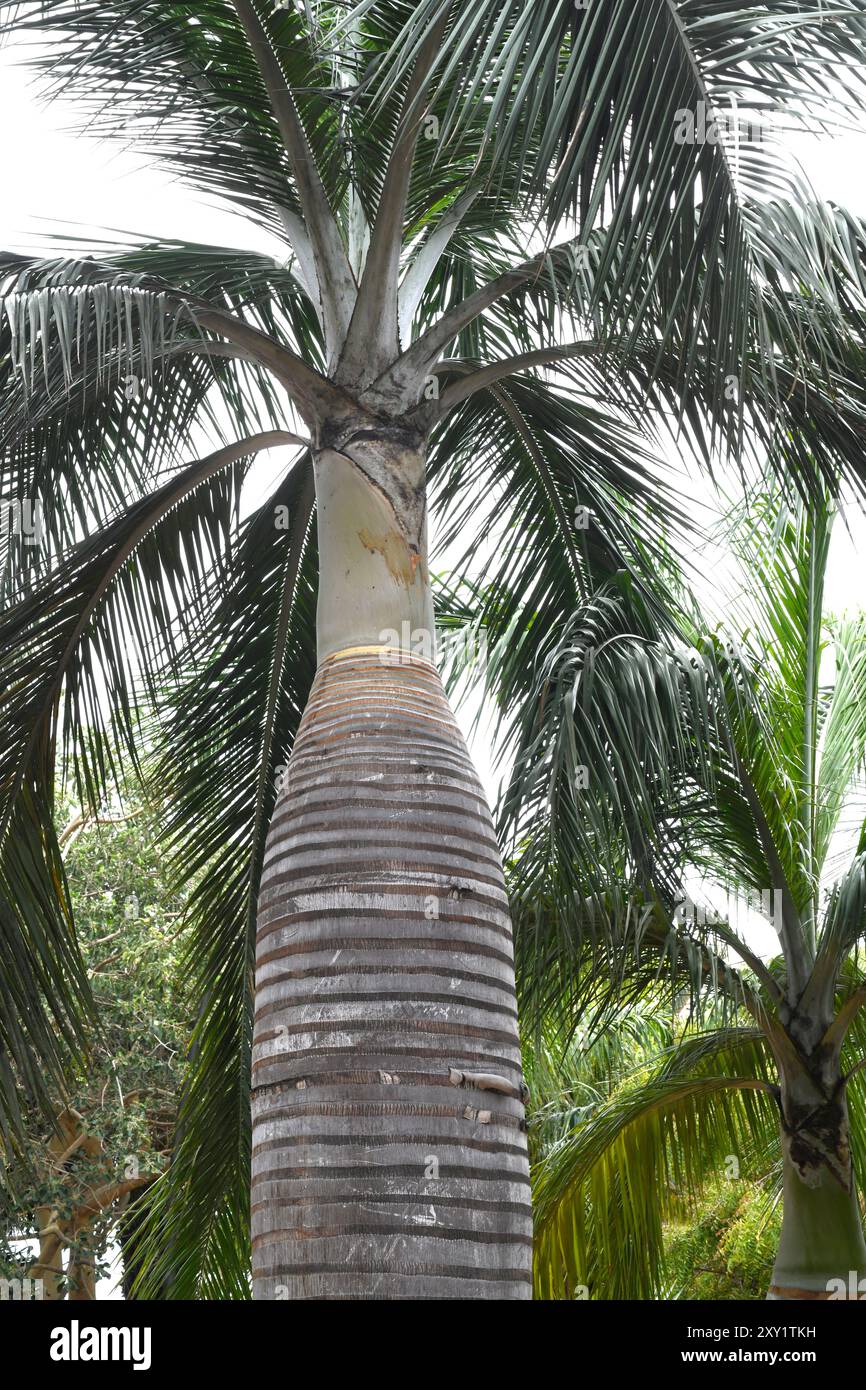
{"points": [[220, 763], [602, 1191]]}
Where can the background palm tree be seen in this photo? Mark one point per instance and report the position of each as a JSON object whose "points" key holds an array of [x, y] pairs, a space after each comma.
{"points": [[741, 763], [419, 162]]}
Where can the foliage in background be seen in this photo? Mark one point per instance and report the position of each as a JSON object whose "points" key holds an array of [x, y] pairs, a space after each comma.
{"points": [[736, 756], [129, 922], [724, 1250]]}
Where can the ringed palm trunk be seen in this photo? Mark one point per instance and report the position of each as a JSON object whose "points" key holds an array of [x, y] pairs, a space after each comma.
{"points": [[389, 1154], [822, 1254]]}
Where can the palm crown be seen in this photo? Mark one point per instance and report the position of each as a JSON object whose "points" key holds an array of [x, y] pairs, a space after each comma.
{"points": [[498, 247]]}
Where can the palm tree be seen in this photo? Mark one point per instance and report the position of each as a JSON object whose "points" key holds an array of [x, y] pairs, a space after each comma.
{"points": [[745, 764], [470, 197]]}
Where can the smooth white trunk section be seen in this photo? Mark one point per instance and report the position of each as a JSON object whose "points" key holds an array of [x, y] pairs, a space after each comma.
{"points": [[373, 574], [822, 1238]]}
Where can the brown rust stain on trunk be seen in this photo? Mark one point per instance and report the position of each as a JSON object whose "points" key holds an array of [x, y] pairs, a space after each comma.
{"points": [[402, 560]]}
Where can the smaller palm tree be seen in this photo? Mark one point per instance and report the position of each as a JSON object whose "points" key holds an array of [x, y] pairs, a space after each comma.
{"points": [[738, 759]]}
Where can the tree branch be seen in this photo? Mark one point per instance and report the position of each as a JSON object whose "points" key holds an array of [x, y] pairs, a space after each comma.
{"points": [[417, 276], [729, 979], [748, 957], [302, 247], [109, 1193], [210, 347], [858, 1066], [835, 1034], [312, 392], [793, 938]]}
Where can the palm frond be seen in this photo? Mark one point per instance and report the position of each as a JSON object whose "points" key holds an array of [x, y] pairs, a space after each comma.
{"points": [[600, 116], [843, 737], [601, 1193], [234, 711]]}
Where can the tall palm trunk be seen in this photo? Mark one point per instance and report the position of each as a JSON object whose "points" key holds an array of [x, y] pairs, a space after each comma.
{"points": [[389, 1156], [822, 1253]]}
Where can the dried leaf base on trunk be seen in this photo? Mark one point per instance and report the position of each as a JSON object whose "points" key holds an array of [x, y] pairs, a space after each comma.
{"points": [[822, 1253], [389, 1156]]}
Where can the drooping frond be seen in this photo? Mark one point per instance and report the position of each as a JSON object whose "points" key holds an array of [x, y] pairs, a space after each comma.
{"points": [[46, 1008], [234, 712], [654, 121], [602, 1191], [80, 648], [637, 758]]}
